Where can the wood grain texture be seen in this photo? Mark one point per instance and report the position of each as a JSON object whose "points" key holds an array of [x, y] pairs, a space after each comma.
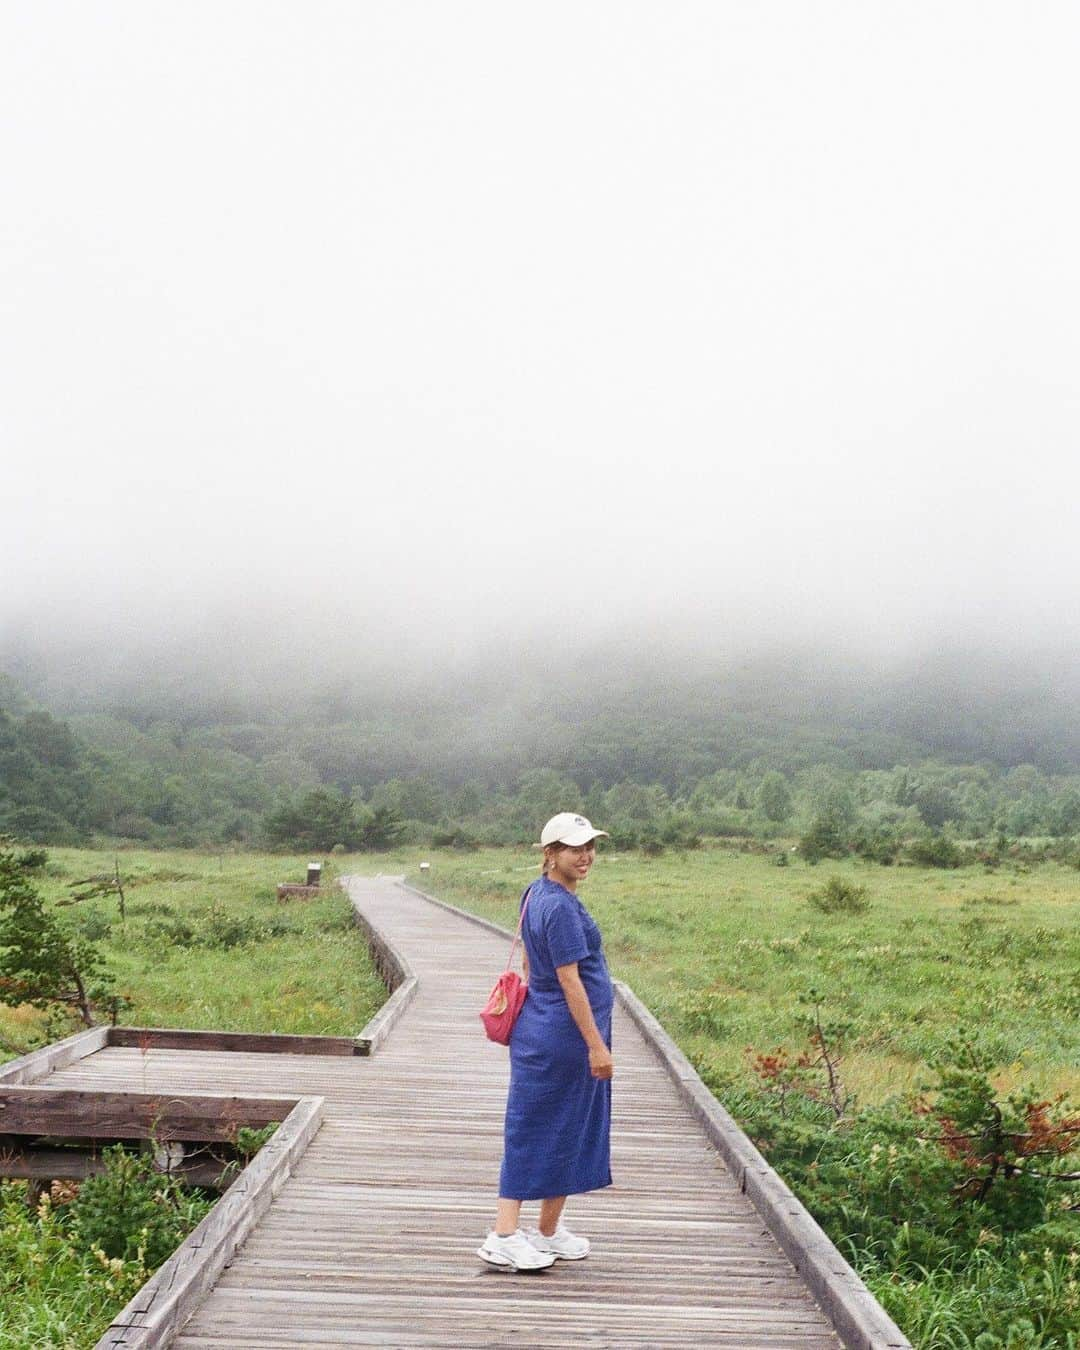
{"points": [[75, 1113], [256, 1043], [39, 1064], [162, 1306]]}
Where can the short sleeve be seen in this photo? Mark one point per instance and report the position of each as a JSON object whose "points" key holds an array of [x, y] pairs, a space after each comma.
{"points": [[565, 935]]}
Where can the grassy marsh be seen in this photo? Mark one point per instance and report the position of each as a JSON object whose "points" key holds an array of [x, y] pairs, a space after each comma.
{"points": [[207, 945], [720, 943]]}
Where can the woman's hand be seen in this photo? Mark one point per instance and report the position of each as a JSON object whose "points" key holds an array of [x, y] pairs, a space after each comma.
{"points": [[601, 1065]]}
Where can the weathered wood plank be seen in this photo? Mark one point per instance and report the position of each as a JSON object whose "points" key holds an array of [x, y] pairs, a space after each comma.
{"points": [[379, 1027], [398, 976], [153, 1317], [67, 1113], [71, 1164], [39, 1064], [245, 1042]]}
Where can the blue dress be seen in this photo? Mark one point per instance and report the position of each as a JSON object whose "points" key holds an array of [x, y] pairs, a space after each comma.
{"points": [[558, 1116]]}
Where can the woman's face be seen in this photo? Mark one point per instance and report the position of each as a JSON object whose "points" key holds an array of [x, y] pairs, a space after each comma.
{"points": [[571, 864]]}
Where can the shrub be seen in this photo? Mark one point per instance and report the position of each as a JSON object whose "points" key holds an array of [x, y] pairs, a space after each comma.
{"points": [[704, 1010], [33, 860], [131, 1211], [215, 929], [838, 896], [954, 1208], [42, 962], [935, 850], [177, 932], [824, 839], [91, 925], [677, 831], [880, 846], [650, 842], [224, 931], [451, 835]]}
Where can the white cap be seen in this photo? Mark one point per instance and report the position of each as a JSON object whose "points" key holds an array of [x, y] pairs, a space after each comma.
{"points": [[568, 828]]}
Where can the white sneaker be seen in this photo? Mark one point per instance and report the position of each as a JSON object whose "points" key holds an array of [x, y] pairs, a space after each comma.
{"points": [[562, 1243], [515, 1252]]}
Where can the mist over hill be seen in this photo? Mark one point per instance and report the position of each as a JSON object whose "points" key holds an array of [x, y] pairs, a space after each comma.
{"points": [[501, 705], [194, 743]]}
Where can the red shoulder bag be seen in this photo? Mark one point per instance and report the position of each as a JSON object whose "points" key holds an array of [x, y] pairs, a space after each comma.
{"points": [[505, 1001]]}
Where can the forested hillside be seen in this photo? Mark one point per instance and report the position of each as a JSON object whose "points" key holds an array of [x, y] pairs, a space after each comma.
{"points": [[667, 750]]}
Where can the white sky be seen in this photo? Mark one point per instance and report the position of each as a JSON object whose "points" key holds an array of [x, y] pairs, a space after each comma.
{"points": [[486, 314]]}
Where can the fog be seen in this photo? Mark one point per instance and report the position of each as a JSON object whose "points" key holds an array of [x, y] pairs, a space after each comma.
{"points": [[376, 330]]}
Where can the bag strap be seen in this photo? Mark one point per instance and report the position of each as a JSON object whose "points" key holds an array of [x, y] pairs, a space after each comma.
{"points": [[517, 935]]}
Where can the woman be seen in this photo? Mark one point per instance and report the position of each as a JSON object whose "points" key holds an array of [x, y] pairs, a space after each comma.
{"points": [[558, 1115]]}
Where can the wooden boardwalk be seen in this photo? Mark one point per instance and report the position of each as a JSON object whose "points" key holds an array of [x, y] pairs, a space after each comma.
{"points": [[372, 1239]]}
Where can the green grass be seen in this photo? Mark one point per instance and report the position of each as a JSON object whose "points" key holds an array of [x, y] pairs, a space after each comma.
{"points": [[299, 967], [720, 943]]}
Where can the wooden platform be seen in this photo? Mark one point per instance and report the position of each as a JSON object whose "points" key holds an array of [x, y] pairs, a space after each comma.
{"points": [[372, 1239]]}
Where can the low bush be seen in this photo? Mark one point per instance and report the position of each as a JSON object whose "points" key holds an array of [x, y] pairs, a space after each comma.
{"points": [[218, 930], [133, 1213], [955, 1206], [839, 896], [935, 850], [67, 1266], [704, 1010], [824, 839], [881, 846], [450, 835], [91, 925]]}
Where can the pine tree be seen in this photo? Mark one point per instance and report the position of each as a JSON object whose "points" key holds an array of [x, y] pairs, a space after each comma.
{"points": [[41, 963]]}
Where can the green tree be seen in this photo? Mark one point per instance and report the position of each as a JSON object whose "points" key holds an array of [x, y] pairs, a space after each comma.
{"points": [[41, 963], [774, 797], [411, 799], [380, 831], [1063, 813], [319, 819], [826, 838]]}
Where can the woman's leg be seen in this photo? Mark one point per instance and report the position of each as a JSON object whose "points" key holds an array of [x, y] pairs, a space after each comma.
{"points": [[507, 1216], [550, 1213]]}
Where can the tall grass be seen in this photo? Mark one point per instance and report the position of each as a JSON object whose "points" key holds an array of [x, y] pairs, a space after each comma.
{"points": [[207, 945], [720, 944]]}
